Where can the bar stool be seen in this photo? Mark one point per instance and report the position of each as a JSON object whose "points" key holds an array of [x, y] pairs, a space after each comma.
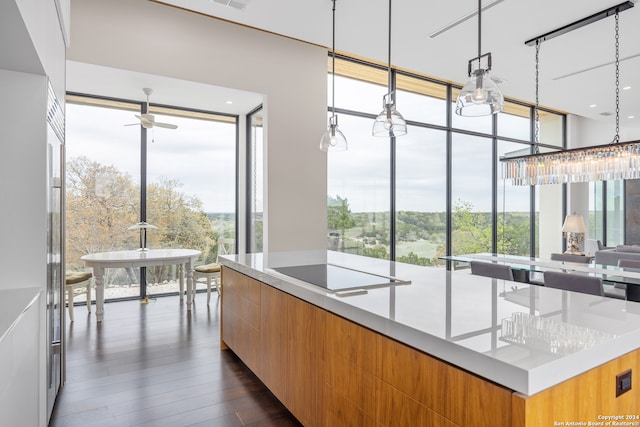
{"points": [[211, 272], [77, 279]]}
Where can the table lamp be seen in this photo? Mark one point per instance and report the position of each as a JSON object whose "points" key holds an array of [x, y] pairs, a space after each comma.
{"points": [[573, 230], [142, 226]]}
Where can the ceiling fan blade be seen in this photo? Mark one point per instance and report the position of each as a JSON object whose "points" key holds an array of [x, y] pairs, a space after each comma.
{"points": [[165, 125], [132, 124]]}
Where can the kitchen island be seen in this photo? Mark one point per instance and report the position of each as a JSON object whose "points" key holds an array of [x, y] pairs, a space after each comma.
{"points": [[430, 346]]}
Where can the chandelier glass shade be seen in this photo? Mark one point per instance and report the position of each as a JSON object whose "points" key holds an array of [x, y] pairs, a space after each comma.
{"points": [[596, 163], [613, 161]]}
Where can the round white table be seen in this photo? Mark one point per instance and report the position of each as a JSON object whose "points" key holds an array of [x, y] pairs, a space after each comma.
{"points": [[138, 258]]}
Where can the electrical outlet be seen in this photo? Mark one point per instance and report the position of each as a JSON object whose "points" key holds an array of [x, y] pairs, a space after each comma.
{"points": [[623, 382]]}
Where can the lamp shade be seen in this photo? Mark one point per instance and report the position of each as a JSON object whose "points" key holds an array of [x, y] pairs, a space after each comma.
{"points": [[480, 96], [333, 139], [389, 122], [574, 224]]}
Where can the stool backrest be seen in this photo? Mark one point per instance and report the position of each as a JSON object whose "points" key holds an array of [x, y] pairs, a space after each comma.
{"points": [[226, 246]]}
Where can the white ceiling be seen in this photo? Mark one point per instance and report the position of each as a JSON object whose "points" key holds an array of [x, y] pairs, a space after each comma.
{"points": [[576, 69]]}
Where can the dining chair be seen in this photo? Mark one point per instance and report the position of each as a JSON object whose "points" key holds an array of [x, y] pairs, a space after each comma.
{"points": [[210, 273], [74, 280], [591, 246], [497, 271], [571, 258], [632, 291], [574, 282]]}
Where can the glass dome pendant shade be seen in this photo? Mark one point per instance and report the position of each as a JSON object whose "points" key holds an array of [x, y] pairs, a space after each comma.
{"points": [[480, 96], [333, 139], [389, 122]]}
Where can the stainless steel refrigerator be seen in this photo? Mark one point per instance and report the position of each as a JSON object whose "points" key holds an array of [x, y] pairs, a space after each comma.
{"points": [[55, 249]]}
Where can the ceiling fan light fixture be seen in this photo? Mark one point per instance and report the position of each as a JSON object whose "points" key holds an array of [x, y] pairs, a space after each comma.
{"points": [[147, 120]]}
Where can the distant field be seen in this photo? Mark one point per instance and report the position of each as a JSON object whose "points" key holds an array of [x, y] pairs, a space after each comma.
{"points": [[422, 248]]}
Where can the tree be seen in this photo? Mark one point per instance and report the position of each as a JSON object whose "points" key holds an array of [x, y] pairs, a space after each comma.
{"points": [[471, 230], [102, 202], [339, 216]]}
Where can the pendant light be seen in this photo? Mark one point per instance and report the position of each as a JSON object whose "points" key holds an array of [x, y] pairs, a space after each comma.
{"points": [[615, 160], [389, 122], [481, 95], [333, 139]]}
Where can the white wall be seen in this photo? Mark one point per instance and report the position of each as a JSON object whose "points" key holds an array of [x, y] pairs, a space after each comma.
{"points": [[23, 215], [32, 51], [147, 37], [45, 31], [584, 132]]}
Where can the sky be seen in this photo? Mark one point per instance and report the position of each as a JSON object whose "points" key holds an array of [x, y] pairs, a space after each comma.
{"points": [[361, 174], [201, 154]]}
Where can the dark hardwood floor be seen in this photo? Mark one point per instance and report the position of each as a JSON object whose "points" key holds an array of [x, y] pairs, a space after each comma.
{"points": [[155, 365]]}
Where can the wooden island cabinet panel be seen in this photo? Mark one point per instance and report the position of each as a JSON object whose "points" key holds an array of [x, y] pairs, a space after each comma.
{"points": [[586, 398], [329, 371]]}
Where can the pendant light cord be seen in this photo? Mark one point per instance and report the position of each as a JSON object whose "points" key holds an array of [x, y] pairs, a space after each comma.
{"points": [[616, 138], [536, 147], [389, 55], [479, 31], [333, 62]]}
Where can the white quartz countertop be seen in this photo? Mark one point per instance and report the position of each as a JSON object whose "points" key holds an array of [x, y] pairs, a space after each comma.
{"points": [[524, 337], [13, 303]]}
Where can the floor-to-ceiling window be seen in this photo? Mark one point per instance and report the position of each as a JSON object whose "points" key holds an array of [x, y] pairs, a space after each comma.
{"points": [[189, 193], [255, 188], [359, 178], [421, 199], [471, 194], [514, 210], [439, 187]]}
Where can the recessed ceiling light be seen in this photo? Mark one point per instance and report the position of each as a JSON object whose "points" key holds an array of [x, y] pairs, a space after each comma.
{"points": [[593, 105], [229, 102], [631, 117], [626, 88]]}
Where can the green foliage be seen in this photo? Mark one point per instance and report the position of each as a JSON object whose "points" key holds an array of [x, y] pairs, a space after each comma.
{"points": [[412, 258], [338, 214], [102, 202], [421, 236]]}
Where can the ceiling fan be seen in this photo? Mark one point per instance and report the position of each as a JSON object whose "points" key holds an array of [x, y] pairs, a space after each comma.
{"points": [[147, 120]]}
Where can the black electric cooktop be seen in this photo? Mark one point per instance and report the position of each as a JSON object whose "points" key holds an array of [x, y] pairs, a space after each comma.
{"points": [[336, 278]]}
